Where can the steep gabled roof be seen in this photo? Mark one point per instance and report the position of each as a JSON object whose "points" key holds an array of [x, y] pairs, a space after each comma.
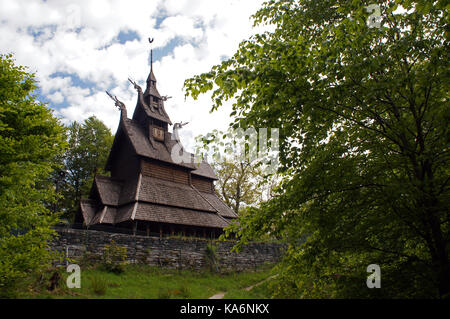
{"points": [[146, 103], [158, 112], [88, 209], [104, 216], [219, 205], [129, 131], [158, 151], [108, 189]]}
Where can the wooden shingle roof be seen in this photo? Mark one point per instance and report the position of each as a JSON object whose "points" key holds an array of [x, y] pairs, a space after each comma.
{"points": [[108, 189], [88, 209], [106, 215], [204, 170], [125, 213], [175, 215], [159, 191], [219, 205], [161, 152], [153, 199], [158, 151]]}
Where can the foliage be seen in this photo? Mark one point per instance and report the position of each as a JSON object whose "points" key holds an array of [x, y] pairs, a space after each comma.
{"points": [[89, 145], [363, 116], [98, 285], [211, 259], [30, 139], [114, 258], [237, 183], [242, 180], [89, 259]]}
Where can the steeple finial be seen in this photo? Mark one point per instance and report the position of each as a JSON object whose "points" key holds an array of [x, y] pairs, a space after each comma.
{"points": [[151, 52]]}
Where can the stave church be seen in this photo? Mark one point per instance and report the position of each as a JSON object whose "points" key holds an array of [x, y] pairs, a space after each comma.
{"points": [[150, 191]]}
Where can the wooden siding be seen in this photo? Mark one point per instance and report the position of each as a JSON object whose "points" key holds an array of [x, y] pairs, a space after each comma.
{"points": [[164, 172], [202, 184]]}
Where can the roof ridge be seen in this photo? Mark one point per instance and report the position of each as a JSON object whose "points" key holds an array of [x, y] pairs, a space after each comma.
{"points": [[103, 214]]}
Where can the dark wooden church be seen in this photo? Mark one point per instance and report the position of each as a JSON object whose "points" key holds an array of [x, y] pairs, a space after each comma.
{"points": [[149, 192]]}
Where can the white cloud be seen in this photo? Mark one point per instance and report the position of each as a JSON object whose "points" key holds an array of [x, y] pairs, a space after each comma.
{"points": [[56, 97], [67, 41]]}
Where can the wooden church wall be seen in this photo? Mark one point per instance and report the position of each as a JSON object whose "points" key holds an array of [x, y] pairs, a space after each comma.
{"points": [[124, 165], [165, 172], [202, 184]]}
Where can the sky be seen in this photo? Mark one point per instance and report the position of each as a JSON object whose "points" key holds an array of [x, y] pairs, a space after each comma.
{"points": [[79, 49]]}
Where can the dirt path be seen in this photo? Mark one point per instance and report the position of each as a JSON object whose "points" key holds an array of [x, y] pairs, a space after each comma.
{"points": [[221, 294], [218, 295], [259, 283]]}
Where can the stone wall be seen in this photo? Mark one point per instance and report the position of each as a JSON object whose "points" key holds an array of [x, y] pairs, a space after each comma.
{"points": [[180, 253]]}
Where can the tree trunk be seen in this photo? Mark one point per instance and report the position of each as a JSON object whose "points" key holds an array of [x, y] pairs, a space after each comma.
{"points": [[433, 210], [440, 257], [238, 198]]}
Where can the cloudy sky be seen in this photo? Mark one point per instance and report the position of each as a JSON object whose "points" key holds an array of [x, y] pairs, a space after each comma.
{"points": [[79, 49]]}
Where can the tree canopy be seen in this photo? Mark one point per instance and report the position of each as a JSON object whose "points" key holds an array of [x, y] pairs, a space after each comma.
{"points": [[244, 178], [30, 140], [364, 142], [89, 144]]}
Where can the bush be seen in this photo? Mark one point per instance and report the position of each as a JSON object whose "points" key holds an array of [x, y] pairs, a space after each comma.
{"points": [[211, 260], [114, 258], [89, 259]]}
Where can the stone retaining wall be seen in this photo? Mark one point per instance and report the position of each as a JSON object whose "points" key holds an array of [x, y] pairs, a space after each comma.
{"points": [[180, 253]]}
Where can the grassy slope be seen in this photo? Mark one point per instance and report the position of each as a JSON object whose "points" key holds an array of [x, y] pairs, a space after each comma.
{"points": [[140, 281]]}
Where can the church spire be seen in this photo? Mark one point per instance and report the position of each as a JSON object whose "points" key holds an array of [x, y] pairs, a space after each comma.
{"points": [[151, 53], [151, 80], [150, 101]]}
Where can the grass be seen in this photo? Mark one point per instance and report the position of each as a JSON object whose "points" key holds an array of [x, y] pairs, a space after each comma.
{"points": [[258, 292], [142, 281]]}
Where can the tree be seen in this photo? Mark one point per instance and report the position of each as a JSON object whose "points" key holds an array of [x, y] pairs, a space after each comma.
{"points": [[242, 180], [363, 116], [238, 183], [89, 145], [30, 140]]}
